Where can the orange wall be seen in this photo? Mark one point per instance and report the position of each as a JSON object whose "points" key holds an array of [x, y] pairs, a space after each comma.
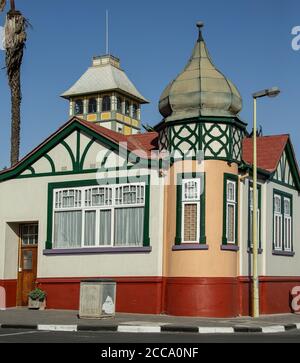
{"points": [[200, 263]]}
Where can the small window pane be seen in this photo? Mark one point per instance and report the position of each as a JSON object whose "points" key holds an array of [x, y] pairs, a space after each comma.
{"points": [[92, 105], [119, 104], [105, 228], [287, 207], [190, 222], [231, 191], [231, 223], [27, 260], [106, 103], [78, 107], [277, 204], [127, 108], [90, 228]]}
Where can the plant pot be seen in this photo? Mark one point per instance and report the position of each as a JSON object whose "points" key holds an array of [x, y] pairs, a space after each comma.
{"points": [[36, 304]]}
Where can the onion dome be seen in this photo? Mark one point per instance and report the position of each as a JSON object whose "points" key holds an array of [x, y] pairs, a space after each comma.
{"points": [[200, 90]]}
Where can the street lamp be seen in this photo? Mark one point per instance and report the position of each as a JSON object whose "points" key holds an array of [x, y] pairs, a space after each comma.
{"points": [[271, 92]]}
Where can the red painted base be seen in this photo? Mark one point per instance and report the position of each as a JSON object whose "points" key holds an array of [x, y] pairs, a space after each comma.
{"points": [[207, 297], [10, 287]]}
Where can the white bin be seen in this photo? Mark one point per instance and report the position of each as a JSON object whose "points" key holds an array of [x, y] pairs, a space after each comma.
{"points": [[97, 299]]}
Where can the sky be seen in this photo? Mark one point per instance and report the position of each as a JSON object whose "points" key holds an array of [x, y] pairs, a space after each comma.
{"points": [[249, 41]]}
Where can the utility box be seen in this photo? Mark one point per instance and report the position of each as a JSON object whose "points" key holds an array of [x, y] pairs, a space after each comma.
{"points": [[97, 299]]}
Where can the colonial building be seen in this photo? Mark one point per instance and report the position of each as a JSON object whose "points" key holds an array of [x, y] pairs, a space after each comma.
{"points": [[167, 214]]}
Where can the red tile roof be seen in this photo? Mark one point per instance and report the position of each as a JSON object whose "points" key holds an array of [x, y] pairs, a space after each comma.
{"points": [[141, 144], [269, 151]]}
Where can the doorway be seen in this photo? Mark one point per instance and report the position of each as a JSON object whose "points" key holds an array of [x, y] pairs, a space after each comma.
{"points": [[27, 269]]}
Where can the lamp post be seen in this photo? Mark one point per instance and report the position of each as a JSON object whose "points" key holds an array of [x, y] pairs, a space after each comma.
{"points": [[271, 92]]}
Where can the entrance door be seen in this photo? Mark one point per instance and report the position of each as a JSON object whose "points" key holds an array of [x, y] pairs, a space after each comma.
{"points": [[27, 261]]}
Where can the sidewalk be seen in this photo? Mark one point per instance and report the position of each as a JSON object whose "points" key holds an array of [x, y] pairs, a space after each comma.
{"points": [[66, 320]]}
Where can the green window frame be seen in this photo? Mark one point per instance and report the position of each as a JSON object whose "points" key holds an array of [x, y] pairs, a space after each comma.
{"points": [[282, 222], [180, 211], [95, 183], [250, 218], [230, 202]]}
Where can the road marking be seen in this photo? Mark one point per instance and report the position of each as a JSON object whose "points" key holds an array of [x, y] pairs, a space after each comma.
{"points": [[21, 333], [57, 327], [138, 329], [273, 329]]}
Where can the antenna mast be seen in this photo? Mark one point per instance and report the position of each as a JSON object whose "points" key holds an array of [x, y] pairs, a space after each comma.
{"points": [[107, 33]]}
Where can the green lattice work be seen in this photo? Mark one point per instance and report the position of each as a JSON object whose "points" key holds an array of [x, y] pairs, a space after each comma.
{"points": [[164, 142], [185, 138], [216, 141], [237, 137]]}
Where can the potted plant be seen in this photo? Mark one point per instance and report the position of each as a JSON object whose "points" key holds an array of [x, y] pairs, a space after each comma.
{"points": [[37, 299]]}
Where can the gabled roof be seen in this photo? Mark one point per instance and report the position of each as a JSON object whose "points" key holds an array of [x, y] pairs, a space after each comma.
{"points": [[104, 78], [140, 144], [269, 151]]}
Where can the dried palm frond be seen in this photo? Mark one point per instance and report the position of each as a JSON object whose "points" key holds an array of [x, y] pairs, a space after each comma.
{"points": [[2, 5]]}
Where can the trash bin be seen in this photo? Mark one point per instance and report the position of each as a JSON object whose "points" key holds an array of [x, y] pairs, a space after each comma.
{"points": [[97, 299]]}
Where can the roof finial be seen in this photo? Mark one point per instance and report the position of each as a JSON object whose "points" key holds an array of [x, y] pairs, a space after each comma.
{"points": [[200, 25]]}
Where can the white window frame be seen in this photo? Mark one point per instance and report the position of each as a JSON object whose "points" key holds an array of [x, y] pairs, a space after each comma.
{"points": [[258, 218], [187, 200], [84, 208], [278, 232], [231, 202], [287, 226]]}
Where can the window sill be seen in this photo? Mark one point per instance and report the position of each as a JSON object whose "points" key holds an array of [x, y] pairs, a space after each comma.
{"points": [[96, 250], [230, 248], [259, 250], [189, 247], [283, 253]]}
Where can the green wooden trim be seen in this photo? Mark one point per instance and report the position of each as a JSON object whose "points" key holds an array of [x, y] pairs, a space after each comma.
{"points": [[87, 148], [234, 178], [51, 163], [95, 182], [180, 177], [259, 187], [205, 119], [69, 150], [31, 169], [53, 141], [78, 151], [290, 197]]}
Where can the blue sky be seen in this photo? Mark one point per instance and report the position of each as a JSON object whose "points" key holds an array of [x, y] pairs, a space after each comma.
{"points": [[249, 41]]}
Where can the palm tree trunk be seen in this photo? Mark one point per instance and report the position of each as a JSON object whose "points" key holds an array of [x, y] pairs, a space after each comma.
{"points": [[15, 38]]}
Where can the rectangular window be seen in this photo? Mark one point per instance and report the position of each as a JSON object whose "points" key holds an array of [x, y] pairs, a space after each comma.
{"points": [[250, 232], [231, 211], [282, 222], [191, 210], [99, 216]]}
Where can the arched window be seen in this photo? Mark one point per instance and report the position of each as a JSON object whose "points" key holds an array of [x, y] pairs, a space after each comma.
{"points": [[127, 108], [119, 104], [92, 105], [135, 111], [78, 107], [106, 105]]}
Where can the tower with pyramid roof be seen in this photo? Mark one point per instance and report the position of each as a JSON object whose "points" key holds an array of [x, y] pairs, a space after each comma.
{"points": [[105, 95]]}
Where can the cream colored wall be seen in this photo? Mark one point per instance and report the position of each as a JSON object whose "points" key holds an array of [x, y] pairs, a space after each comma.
{"points": [[24, 200], [199, 263]]}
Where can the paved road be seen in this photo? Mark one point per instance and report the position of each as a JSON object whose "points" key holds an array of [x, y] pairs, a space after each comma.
{"points": [[32, 336]]}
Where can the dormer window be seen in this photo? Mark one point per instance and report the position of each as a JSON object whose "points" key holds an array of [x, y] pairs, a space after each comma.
{"points": [[135, 111], [127, 108], [119, 104], [106, 104], [92, 107], [78, 107]]}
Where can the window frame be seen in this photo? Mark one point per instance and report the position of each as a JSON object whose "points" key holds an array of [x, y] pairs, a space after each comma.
{"points": [[191, 201], [286, 245], [106, 109], [259, 217], [201, 238], [143, 179], [94, 99], [230, 178], [82, 106], [83, 208]]}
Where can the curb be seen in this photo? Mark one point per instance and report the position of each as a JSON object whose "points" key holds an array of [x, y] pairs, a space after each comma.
{"points": [[156, 328]]}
